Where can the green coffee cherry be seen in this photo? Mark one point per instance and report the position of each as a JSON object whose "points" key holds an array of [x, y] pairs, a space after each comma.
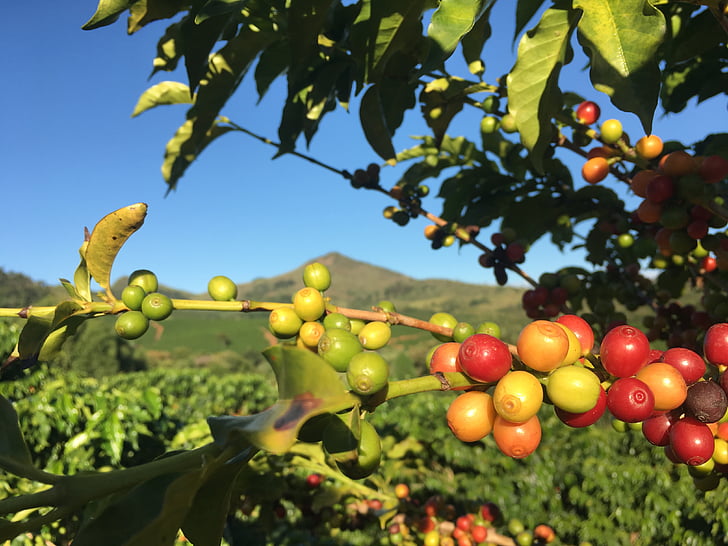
{"points": [[337, 346], [356, 326], [156, 306], [375, 335], [131, 325], [222, 288], [317, 276], [144, 278], [337, 320], [367, 373], [369, 454], [462, 331], [490, 328], [309, 304], [443, 319], [132, 296], [284, 322]]}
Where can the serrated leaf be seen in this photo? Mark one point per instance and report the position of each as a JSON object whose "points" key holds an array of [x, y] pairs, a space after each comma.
{"points": [[163, 93], [12, 444], [621, 38], [107, 238], [452, 20], [307, 386], [107, 12], [144, 12], [533, 92], [374, 124]]}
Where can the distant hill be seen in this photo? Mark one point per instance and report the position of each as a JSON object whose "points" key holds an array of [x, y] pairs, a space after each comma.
{"points": [[362, 285]]}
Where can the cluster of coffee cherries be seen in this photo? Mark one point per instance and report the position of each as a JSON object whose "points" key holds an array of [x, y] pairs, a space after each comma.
{"points": [[678, 400], [409, 198], [365, 178], [143, 303], [349, 346], [445, 235], [507, 251]]}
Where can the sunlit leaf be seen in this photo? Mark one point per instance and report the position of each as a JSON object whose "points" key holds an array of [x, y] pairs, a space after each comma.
{"points": [[473, 42], [452, 20], [12, 444], [533, 92], [374, 124], [107, 238], [144, 12], [211, 8], [81, 277], [621, 38], [184, 147], [163, 93], [107, 12], [441, 100], [307, 386], [168, 51]]}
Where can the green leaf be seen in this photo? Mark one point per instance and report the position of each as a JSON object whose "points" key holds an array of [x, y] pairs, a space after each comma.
{"points": [[168, 50], [184, 147], [107, 238], [473, 42], [273, 61], [385, 28], [452, 20], [441, 100], [12, 444], [196, 44], [525, 11], [621, 38], [81, 277], [144, 12], [107, 12], [163, 93], [205, 521], [307, 386], [212, 8], [374, 124], [533, 93], [148, 515]]}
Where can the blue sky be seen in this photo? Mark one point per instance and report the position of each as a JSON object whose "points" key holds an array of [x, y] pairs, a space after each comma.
{"points": [[71, 153]]}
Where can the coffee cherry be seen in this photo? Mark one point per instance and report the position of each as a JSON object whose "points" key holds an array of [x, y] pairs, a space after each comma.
{"points": [[156, 306], [517, 440], [630, 400], [649, 147], [367, 373], [587, 418], [573, 389], [508, 123], [284, 322], [337, 320], [144, 278], [470, 416], [624, 350], [309, 304], [706, 401], [131, 325], [595, 170], [611, 131], [317, 276], [132, 296], [337, 346], [375, 335], [443, 319], [310, 333], [518, 396], [484, 358], [222, 288], [369, 454], [542, 345], [691, 441], [588, 112]]}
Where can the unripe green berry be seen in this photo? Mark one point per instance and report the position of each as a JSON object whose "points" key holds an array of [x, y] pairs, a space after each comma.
{"points": [[375, 335], [132, 296], [317, 276], [222, 288], [369, 454], [367, 373], [337, 346], [284, 322], [446, 320], [490, 328], [156, 306], [144, 278], [356, 325], [337, 320], [462, 331], [131, 325]]}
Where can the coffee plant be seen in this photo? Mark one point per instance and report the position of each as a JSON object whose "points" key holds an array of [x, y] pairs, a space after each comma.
{"points": [[639, 337]]}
